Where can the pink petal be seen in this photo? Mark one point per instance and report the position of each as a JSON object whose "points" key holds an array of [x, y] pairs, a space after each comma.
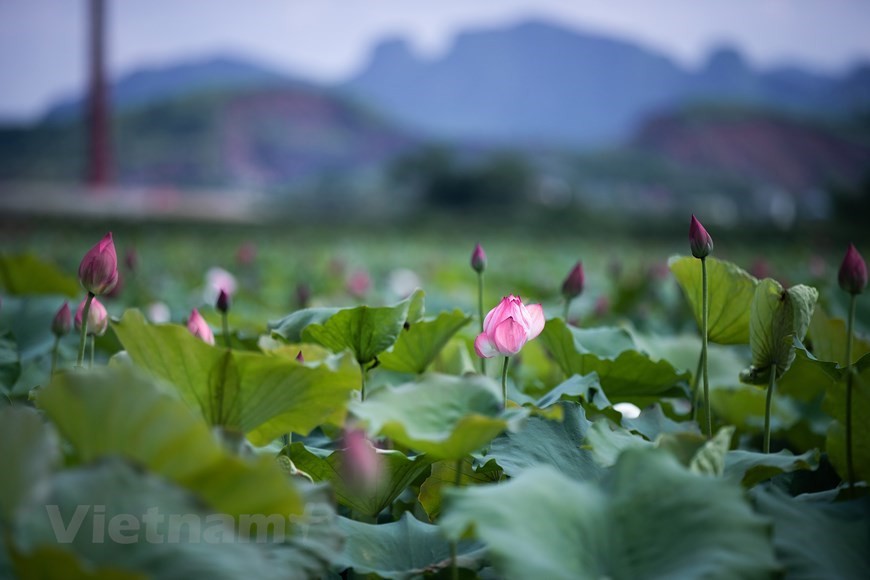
{"points": [[484, 347], [509, 337], [536, 320], [498, 314]]}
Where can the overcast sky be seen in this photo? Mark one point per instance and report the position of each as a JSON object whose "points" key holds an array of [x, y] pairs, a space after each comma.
{"points": [[42, 41]]}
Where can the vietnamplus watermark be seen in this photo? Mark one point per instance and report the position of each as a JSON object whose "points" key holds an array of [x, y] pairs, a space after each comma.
{"points": [[154, 526]]}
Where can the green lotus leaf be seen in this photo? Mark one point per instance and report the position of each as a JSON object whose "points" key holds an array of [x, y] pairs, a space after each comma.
{"points": [[397, 472], [402, 550], [625, 373], [443, 416], [420, 343], [615, 529], [730, 292]]}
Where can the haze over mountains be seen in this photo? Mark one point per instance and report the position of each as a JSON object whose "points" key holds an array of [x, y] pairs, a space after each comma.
{"points": [[533, 83]]}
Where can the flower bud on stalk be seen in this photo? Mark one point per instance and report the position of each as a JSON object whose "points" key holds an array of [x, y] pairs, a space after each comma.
{"points": [[61, 325], [572, 287], [98, 270], [853, 272], [478, 259], [199, 328], [223, 302], [98, 318], [699, 240], [299, 358]]}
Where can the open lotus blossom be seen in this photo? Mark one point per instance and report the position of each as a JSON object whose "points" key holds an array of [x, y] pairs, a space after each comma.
{"points": [[98, 270], [508, 327], [98, 318], [199, 328]]}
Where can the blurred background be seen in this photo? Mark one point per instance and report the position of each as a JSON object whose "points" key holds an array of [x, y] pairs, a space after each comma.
{"points": [[745, 113], [334, 134]]}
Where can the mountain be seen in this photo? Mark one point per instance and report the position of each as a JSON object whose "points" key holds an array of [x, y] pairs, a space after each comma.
{"points": [[266, 138], [149, 85], [536, 82]]}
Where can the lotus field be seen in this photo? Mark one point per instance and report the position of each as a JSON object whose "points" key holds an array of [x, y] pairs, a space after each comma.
{"points": [[464, 418]]}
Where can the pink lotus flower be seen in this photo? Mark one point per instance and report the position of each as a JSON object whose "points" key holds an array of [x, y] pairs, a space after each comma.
{"points": [[699, 240], [62, 322], [359, 284], [199, 328], [853, 272], [98, 270], [478, 259], [98, 318], [508, 327], [362, 464], [572, 287]]}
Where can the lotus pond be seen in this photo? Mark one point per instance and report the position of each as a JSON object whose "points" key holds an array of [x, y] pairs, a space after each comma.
{"points": [[301, 406]]}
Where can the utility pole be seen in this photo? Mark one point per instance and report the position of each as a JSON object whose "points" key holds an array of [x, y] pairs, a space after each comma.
{"points": [[98, 119]]}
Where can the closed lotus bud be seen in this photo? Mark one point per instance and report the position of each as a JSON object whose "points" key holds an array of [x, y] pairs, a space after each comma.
{"points": [[300, 358], [699, 240], [98, 271], [362, 464], [303, 295], [853, 272], [223, 301], [478, 259], [572, 287], [199, 328], [98, 318], [62, 323]]}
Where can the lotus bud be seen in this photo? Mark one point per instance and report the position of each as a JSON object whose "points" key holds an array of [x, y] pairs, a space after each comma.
{"points": [[223, 302], [362, 464], [699, 240], [303, 295], [853, 272], [246, 254], [299, 358], [478, 259], [199, 328], [62, 323], [98, 318], [98, 271], [508, 327], [359, 284], [131, 259], [572, 287]]}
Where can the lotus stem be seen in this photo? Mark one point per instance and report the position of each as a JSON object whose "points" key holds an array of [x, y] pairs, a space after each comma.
{"points": [[767, 402], [504, 381], [226, 329], [850, 466], [567, 309], [54, 350], [480, 314], [91, 341], [454, 565], [696, 380], [704, 308], [84, 335]]}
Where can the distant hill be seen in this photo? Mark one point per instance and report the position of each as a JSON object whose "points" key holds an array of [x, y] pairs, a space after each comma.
{"points": [[150, 85], [539, 82], [766, 148], [264, 138]]}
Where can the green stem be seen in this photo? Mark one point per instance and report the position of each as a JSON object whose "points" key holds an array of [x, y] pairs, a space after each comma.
{"points": [[226, 327], [454, 565], [91, 341], [362, 393], [767, 402], [54, 354], [696, 380], [480, 314], [83, 339], [850, 467], [567, 309], [704, 348], [504, 381]]}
